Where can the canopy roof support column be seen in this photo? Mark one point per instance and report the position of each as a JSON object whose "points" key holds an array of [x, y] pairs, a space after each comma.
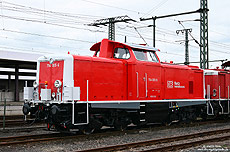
{"points": [[16, 83]]}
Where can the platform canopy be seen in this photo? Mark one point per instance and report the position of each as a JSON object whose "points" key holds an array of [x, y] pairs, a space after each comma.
{"points": [[15, 60], [24, 60]]}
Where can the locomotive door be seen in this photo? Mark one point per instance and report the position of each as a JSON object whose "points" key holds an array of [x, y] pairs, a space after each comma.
{"points": [[142, 92], [222, 85], [148, 80]]}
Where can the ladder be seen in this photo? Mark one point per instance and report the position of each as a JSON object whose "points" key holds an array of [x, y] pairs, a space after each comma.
{"points": [[142, 112]]}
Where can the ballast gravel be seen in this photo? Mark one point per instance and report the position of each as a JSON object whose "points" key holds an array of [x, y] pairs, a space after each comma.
{"points": [[91, 141]]}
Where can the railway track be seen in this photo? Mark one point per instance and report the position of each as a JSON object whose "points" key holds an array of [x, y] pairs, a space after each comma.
{"points": [[5, 141], [14, 140], [154, 145], [13, 117], [16, 121], [19, 122]]}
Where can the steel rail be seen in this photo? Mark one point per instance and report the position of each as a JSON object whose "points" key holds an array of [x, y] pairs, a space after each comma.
{"points": [[164, 140], [16, 122], [6, 141], [13, 140], [188, 144], [13, 117], [12, 123]]}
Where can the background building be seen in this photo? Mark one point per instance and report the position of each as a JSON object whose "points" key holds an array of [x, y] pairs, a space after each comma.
{"points": [[15, 69]]}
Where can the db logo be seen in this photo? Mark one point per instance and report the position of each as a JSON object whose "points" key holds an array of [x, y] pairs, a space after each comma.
{"points": [[177, 83], [169, 84]]}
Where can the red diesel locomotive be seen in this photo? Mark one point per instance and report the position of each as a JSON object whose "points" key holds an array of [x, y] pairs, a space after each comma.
{"points": [[122, 84]]}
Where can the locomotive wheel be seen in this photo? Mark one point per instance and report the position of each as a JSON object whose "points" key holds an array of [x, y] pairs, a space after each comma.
{"points": [[61, 128], [120, 125], [169, 120], [91, 127], [225, 117], [88, 129], [167, 123], [204, 115]]}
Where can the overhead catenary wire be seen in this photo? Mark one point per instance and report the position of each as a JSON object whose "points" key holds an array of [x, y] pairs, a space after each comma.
{"points": [[37, 42], [31, 9], [49, 11], [50, 16], [172, 33], [50, 36], [173, 42], [212, 41], [189, 23], [164, 41], [79, 40], [50, 23], [2, 14], [93, 2], [162, 2], [17, 49], [35, 9]]}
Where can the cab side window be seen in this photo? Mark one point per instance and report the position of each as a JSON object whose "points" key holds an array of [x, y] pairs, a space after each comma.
{"points": [[121, 53], [145, 55]]}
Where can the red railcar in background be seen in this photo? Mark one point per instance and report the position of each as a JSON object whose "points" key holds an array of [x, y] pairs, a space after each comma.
{"points": [[217, 86]]}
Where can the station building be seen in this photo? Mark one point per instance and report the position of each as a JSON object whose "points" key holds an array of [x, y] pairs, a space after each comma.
{"points": [[15, 69]]}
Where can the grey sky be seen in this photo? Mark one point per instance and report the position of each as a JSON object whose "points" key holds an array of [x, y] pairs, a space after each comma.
{"points": [[44, 31]]}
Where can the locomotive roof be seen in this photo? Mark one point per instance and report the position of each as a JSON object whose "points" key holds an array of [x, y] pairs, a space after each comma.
{"points": [[96, 47], [142, 47], [210, 72]]}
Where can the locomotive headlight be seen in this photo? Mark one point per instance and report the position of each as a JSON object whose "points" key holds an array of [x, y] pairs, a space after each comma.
{"points": [[35, 94], [214, 92], [53, 94], [57, 83], [35, 84]]}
